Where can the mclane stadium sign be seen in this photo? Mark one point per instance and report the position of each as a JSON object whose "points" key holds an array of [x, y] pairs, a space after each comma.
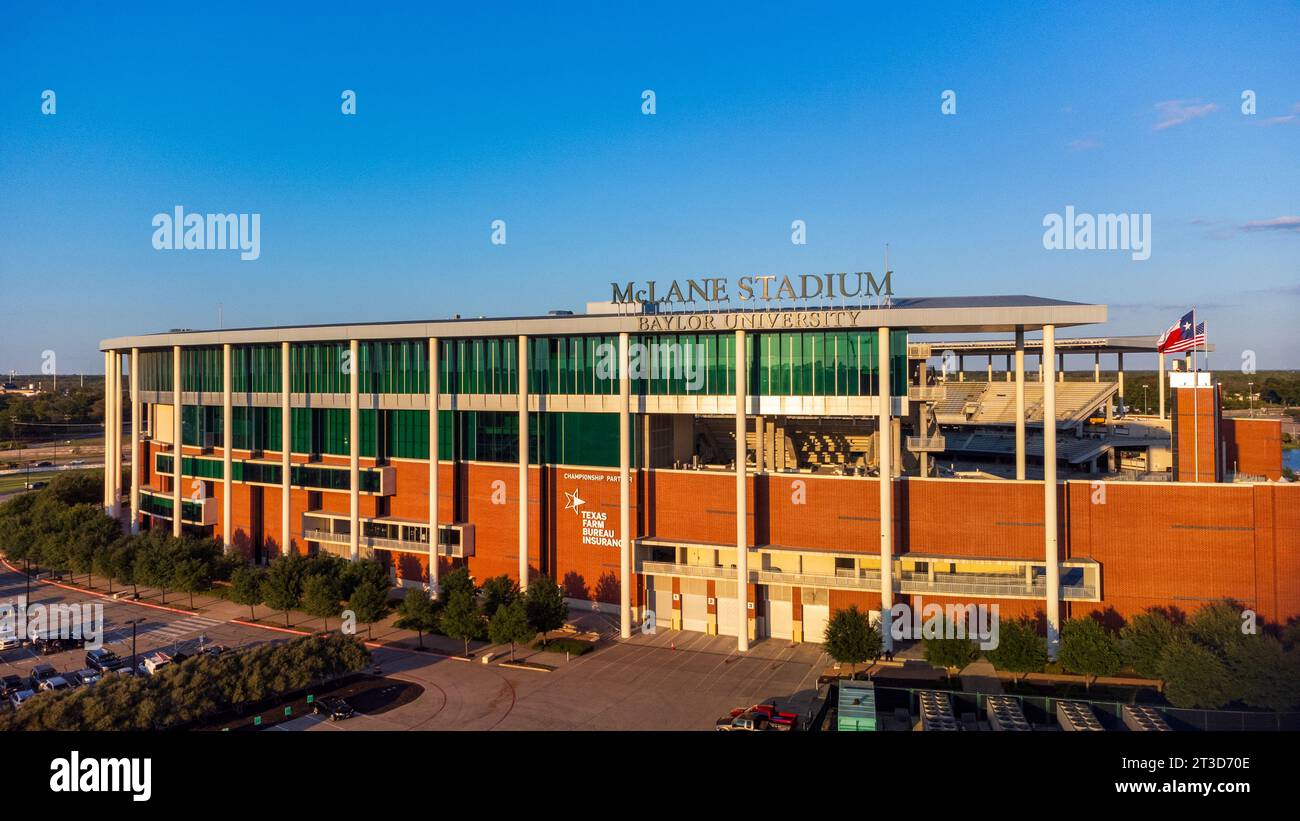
{"points": [[750, 288], [760, 289]]}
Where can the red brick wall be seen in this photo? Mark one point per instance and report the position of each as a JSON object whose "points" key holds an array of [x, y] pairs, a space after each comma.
{"points": [[1253, 446], [1196, 427], [586, 571]]}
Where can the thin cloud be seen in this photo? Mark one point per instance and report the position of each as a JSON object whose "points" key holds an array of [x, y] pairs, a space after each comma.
{"points": [[1294, 116], [1084, 144], [1177, 112], [1291, 224]]}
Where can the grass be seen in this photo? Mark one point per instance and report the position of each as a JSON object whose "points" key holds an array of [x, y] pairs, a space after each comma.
{"points": [[18, 481]]}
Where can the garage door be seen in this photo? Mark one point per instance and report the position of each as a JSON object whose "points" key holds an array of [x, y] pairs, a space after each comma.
{"points": [[695, 609], [659, 593], [780, 612], [728, 614], [816, 613]]}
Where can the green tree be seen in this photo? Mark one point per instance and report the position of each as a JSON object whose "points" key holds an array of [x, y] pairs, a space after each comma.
{"points": [[498, 591], [1020, 649], [321, 598], [460, 619], [545, 605], [1089, 649], [1267, 676], [851, 638], [950, 653], [281, 587], [1195, 677], [368, 603], [457, 579], [1144, 639], [246, 588], [191, 575], [509, 623], [1217, 627], [416, 612]]}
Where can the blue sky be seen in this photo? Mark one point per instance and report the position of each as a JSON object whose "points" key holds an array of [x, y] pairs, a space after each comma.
{"points": [[827, 113]]}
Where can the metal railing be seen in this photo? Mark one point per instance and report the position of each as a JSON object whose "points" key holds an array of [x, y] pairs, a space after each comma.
{"points": [[367, 541], [926, 393]]}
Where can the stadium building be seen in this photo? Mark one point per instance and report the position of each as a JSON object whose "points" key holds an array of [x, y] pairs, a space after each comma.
{"points": [[844, 459]]}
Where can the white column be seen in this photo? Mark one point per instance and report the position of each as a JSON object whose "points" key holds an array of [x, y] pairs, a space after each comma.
{"points": [[1160, 386], [177, 473], [1096, 367], [886, 449], [1049, 498], [624, 489], [1020, 403], [1119, 369], [961, 369], [135, 440], [990, 379], [742, 501], [435, 390], [227, 442], [522, 402], [286, 445], [354, 453], [108, 432], [1060, 367], [117, 435]]}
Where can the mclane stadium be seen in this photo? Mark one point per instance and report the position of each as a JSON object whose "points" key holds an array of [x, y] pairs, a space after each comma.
{"points": [[857, 453]]}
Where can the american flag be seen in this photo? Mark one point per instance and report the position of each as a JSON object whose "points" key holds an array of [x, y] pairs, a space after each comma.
{"points": [[1182, 336]]}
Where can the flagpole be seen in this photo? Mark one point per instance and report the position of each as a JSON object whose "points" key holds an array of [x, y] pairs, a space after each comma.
{"points": [[1196, 414]]}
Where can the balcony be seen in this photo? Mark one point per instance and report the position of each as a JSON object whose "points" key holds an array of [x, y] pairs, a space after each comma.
{"points": [[201, 512], [456, 540], [927, 444]]}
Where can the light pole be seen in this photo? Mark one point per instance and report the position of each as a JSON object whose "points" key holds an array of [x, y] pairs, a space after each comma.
{"points": [[1146, 406], [1250, 391], [133, 623]]}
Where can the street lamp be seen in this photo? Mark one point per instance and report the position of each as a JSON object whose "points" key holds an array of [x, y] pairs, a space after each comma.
{"points": [[1250, 391], [1146, 406], [133, 623]]}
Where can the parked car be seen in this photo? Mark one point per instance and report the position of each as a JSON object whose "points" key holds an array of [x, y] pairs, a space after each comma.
{"points": [[336, 709], [55, 684], [214, 650], [44, 464], [12, 684], [102, 659], [9, 642], [17, 697], [87, 676], [751, 721], [43, 671], [154, 662]]}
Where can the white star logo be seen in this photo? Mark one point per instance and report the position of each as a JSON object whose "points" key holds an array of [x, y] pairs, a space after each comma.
{"points": [[1187, 326], [575, 501]]}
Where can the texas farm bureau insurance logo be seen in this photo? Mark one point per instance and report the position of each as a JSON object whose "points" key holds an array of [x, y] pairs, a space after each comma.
{"points": [[595, 523]]}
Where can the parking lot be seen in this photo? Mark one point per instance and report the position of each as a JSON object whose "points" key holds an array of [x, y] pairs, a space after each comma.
{"points": [[672, 680]]}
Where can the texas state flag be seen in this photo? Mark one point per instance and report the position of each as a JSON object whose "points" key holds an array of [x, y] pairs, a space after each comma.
{"points": [[1183, 335]]}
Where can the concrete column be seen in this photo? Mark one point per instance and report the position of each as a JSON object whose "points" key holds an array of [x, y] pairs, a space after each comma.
{"points": [[1049, 499], [1096, 367], [760, 446], [117, 435], [961, 369], [177, 477], [1040, 367], [435, 391], [886, 491], [1119, 370], [990, 379], [742, 500], [286, 446], [1160, 386], [227, 442], [1020, 404], [624, 488], [522, 401], [1060, 367], [135, 440], [354, 452], [108, 432], [1009, 370]]}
